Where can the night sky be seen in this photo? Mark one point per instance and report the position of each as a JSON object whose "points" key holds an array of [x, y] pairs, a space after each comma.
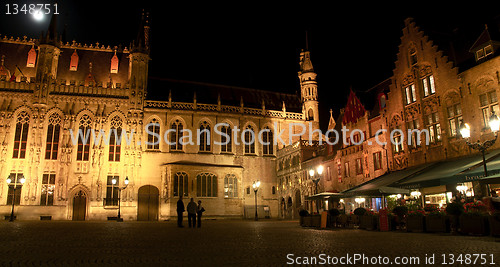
{"points": [[257, 45]]}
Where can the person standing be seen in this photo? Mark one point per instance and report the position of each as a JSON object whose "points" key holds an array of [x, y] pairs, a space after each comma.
{"points": [[199, 211], [180, 210], [191, 209]]}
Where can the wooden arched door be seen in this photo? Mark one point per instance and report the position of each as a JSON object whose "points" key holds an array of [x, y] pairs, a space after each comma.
{"points": [[148, 202], [79, 206]]}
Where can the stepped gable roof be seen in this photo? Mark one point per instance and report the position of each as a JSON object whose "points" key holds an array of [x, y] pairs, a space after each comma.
{"points": [[207, 93], [371, 97]]}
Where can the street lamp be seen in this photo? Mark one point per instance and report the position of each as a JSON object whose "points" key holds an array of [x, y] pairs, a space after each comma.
{"points": [[256, 186], [14, 187], [494, 124], [315, 178], [119, 219]]}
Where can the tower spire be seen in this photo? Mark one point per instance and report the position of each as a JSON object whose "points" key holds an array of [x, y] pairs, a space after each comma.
{"points": [[51, 37], [141, 43]]}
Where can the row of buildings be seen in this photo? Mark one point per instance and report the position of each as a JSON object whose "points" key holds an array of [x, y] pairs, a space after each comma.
{"points": [[50, 90], [435, 87]]}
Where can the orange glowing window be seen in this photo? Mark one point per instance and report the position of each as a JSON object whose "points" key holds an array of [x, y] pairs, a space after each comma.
{"points": [[31, 58], [114, 64], [73, 65]]}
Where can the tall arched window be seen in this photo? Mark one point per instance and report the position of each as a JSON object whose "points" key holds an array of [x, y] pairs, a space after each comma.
{"points": [[230, 186], [204, 137], [21, 135], [176, 136], [249, 140], [114, 64], [153, 135], [115, 127], [73, 64], [226, 144], [180, 184], [267, 142], [53, 133], [206, 185], [83, 149]]}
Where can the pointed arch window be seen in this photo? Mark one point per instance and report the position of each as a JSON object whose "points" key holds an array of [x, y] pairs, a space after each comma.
{"points": [[176, 136], [226, 144], [249, 140], [114, 64], [267, 141], [204, 137], [230, 186], [115, 127], [180, 184], [21, 135], [73, 65], [83, 148], [53, 133], [153, 135], [206, 185], [30, 63]]}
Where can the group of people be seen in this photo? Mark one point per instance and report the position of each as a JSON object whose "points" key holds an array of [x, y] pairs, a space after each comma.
{"points": [[194, 211]]}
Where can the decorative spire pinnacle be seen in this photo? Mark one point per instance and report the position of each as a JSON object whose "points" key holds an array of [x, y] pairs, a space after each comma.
{"points": [[141, 44], [51, 37]]}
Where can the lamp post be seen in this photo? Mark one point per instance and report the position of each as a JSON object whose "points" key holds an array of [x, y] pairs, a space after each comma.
{"points": [[14, 187], [119, 218], [256, 185], [494, 124], [315, 177]]}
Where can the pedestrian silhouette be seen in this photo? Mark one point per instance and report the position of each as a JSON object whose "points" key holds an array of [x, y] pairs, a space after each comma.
{"points": [[199, 212], [180, 210], [191, 209]]}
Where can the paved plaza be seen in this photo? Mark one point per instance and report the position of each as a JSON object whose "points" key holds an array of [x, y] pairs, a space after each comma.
{"points": [[217, 243]]}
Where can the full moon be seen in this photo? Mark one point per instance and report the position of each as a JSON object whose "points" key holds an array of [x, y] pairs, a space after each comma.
{"points": [[38, 15]]}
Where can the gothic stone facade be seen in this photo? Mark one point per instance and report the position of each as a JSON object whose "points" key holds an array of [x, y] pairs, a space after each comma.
{"points": [[49, 88]]}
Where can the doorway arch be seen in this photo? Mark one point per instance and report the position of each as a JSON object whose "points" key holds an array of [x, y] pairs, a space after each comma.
{"points": [[79, 206], [147, 203], [298, 203]]}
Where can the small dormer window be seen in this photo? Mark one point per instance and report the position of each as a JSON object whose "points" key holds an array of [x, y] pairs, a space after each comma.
{"points": [[488, 50], [31, 58], [412, 55], [480, 54], [114, 64], [73, 65]]}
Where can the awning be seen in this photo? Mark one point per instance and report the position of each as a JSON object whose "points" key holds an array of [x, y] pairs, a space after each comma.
{"points": [[325, 196], [477, 173], [448, 172], [492, 179], [382, 185]]}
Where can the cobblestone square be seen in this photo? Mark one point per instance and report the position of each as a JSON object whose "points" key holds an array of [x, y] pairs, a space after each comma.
{"points": [[217, 243]]}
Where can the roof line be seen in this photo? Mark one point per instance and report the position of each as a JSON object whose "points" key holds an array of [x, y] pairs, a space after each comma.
{"points": [[217, 85]]}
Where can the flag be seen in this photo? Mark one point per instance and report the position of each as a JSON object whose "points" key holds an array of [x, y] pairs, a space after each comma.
{"points": [[17, 73]]}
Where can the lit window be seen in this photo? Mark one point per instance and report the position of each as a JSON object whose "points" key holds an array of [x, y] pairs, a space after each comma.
{"points": [[83, 149], [48, 186], [347, 172], [176, 136], [410, 95], [153, 135], [114, 64], [454, 118], [180, 184], [433, 126], [230, 186], [53, 133], [377, 160], [206, 185], [488, 104], [397, 141], [115, 133], [73, 65], [31, 58], [428, 85], [413, 125], [21, 135], [11, 195], [112, 191]]}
